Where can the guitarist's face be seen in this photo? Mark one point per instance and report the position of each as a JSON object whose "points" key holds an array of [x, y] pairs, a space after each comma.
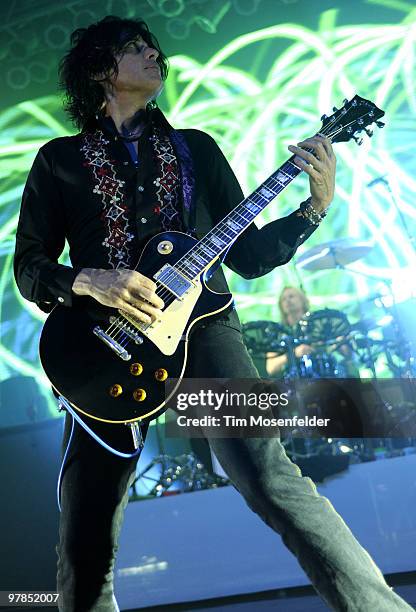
{"points": [[138, 71]]}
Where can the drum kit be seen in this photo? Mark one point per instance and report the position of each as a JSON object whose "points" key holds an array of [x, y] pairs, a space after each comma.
{"points": [[382, 346], [339, 349]]}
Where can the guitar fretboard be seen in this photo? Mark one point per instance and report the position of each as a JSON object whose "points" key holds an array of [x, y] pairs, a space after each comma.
{"points": [[222, 236]]}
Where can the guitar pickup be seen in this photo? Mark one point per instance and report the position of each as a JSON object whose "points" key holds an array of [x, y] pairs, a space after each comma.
{"points": [[170, 278]]}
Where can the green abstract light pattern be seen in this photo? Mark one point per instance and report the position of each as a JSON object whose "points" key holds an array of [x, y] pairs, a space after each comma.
{"points": [[254, 114]]}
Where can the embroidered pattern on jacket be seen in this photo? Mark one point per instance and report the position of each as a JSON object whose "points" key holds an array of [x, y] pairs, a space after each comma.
{"points": [[111, 190], [168, 183]]}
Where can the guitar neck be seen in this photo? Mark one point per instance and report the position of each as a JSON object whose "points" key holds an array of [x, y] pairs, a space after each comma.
{"points": [[222, 235]]}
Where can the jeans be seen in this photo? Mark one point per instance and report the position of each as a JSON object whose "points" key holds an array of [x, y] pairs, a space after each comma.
{"points": [[94, 494]]}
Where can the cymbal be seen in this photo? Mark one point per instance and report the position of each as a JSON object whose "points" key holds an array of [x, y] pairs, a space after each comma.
{"points": [[334, 254]]}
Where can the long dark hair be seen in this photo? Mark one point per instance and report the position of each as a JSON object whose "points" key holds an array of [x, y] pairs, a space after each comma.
{"points": [[92, 53]]}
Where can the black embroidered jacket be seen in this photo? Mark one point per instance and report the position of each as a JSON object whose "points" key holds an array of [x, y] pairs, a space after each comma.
{"points": [[63, 200]]}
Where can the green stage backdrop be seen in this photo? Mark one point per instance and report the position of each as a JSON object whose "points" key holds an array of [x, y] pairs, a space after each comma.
{"points": [[256, 75]]}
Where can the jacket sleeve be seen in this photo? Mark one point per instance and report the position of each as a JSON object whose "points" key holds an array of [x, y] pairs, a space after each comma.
{"points": [[40, 240], [257, 251]]}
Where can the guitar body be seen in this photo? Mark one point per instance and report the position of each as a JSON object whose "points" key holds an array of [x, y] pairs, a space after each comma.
{"points": [[99, 383]]}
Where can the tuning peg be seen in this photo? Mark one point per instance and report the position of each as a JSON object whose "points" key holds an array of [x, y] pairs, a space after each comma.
{"points": [[368, 131], [334, 108], [358, 140], [324, 117], [380, 124], [345, 100]]}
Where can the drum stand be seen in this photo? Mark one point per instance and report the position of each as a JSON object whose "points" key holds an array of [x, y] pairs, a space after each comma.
{"points": [[293, 370], [294, 374], [183, 472]]}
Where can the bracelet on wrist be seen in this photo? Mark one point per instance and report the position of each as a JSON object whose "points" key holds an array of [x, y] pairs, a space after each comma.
{"points": [[308, 212]]}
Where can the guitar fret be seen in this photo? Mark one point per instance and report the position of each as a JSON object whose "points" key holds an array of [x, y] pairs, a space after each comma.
{"points": [[294, 166], [233, 225], [207, 250], [280, 186], [267, 192], [227, 228], [252, 206], [240, 215], [186, 272], [193, 268], [199, 259], [224, 233], [283, 176], [217, 241]]}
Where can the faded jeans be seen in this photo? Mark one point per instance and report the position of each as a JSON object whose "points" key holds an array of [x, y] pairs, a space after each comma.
{"points": [[94, 494]]}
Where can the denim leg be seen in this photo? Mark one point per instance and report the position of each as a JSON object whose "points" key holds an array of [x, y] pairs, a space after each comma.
{"points": [[340, 569], [94, 494]]}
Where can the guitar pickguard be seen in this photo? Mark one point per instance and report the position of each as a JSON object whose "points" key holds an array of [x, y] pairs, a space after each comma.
{"points": [[167, 333]]}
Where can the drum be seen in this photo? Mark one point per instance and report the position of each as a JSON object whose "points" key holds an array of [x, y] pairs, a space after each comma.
{"points": [[325, 330], [324, 327], [320, 365]]}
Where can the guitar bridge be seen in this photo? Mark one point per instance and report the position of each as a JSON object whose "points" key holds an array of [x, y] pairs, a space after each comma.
{"points": [[115, 346]]}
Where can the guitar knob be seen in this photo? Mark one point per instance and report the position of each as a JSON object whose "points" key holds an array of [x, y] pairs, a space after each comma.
{"points": [[324, 117], [139, 395], [136, 369], [165, 247], [334, 108], [161, 374], [116, 390]]}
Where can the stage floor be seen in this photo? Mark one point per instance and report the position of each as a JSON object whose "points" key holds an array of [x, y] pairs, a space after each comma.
{"points": [[207, 545]]}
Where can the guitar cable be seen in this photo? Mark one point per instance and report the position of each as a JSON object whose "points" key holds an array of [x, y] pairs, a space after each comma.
{"points": [[65, 405], [58, 486]]}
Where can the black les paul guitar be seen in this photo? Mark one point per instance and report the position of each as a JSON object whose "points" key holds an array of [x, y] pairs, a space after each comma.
{"points": [[111, 367]]}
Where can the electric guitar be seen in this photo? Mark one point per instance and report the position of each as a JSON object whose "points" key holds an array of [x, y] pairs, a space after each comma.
{"points": [[112, 367]]}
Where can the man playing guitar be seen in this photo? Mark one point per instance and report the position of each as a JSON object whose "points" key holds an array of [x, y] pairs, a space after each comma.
{"points": [[125, 177]]}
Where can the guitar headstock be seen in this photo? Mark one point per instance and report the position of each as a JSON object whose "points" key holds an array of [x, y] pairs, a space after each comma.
{"points": [[356, 115]]}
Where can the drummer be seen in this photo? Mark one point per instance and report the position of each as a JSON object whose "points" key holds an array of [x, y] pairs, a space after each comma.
{"points": [[293, 305]]}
